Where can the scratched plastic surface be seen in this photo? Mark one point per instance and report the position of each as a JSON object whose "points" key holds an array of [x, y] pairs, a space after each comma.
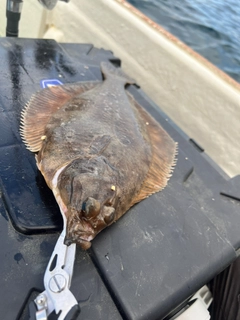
{"points": [[155, 257]]}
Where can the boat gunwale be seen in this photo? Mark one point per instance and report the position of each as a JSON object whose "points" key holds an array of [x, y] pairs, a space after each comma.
{"points": [[179, 43]]}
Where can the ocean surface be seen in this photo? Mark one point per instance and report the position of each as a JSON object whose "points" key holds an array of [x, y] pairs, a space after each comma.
{"points": [[210, 27]]}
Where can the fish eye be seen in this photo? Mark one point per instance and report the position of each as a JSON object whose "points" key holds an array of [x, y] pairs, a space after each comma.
{"points": [[90, 208], [109, 214]]}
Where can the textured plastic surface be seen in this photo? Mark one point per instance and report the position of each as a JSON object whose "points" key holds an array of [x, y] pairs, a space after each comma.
{"points": [[155, 257]]}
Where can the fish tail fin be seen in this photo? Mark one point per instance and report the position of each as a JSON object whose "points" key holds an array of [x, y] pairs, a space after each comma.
{"points": [[109, 71]]}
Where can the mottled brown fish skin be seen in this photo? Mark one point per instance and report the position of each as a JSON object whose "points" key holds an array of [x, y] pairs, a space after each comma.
{"points": [[96, 154], [99, 130]]}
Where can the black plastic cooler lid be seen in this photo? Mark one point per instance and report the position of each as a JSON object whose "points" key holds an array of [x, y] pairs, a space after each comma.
{"points": [[156, 256]]}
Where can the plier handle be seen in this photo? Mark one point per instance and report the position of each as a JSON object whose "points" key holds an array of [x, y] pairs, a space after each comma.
{"points": [[57, 281]]}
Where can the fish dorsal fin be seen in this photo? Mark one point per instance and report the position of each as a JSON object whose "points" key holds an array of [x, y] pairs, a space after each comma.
{"points": [[164, 151], [40, 108]]}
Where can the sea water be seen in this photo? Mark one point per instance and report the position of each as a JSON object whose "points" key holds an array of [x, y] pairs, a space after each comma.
{"points": [[210, 27]]}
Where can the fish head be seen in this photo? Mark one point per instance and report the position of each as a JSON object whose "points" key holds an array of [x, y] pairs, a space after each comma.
{"points": [[88, 198], [85, 223]]}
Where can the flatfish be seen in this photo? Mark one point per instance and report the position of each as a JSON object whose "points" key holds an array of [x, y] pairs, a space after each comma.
{"points": [[99, 151]]}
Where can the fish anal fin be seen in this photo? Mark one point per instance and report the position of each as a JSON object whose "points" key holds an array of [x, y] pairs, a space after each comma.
{"points": [[164, 151], [40, 108]]}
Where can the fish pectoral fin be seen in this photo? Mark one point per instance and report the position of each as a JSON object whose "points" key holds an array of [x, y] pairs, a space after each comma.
{"points": [[99, 144], [70, 188], [40, 108], [164, 151]]}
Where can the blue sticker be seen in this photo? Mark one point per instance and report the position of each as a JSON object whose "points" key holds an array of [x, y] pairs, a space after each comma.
{"points": [[50, 83]]}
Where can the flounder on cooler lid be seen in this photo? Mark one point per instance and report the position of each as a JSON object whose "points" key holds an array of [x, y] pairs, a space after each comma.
{"points": [[99, 151]]}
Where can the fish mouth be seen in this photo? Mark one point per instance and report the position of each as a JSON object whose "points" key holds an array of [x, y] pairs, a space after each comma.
{"points": [[85, 231], [84, 226], [84, 244], [81, 232]]}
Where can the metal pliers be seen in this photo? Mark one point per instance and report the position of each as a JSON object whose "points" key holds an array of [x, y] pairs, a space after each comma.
{"points": [[57, 281]]}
